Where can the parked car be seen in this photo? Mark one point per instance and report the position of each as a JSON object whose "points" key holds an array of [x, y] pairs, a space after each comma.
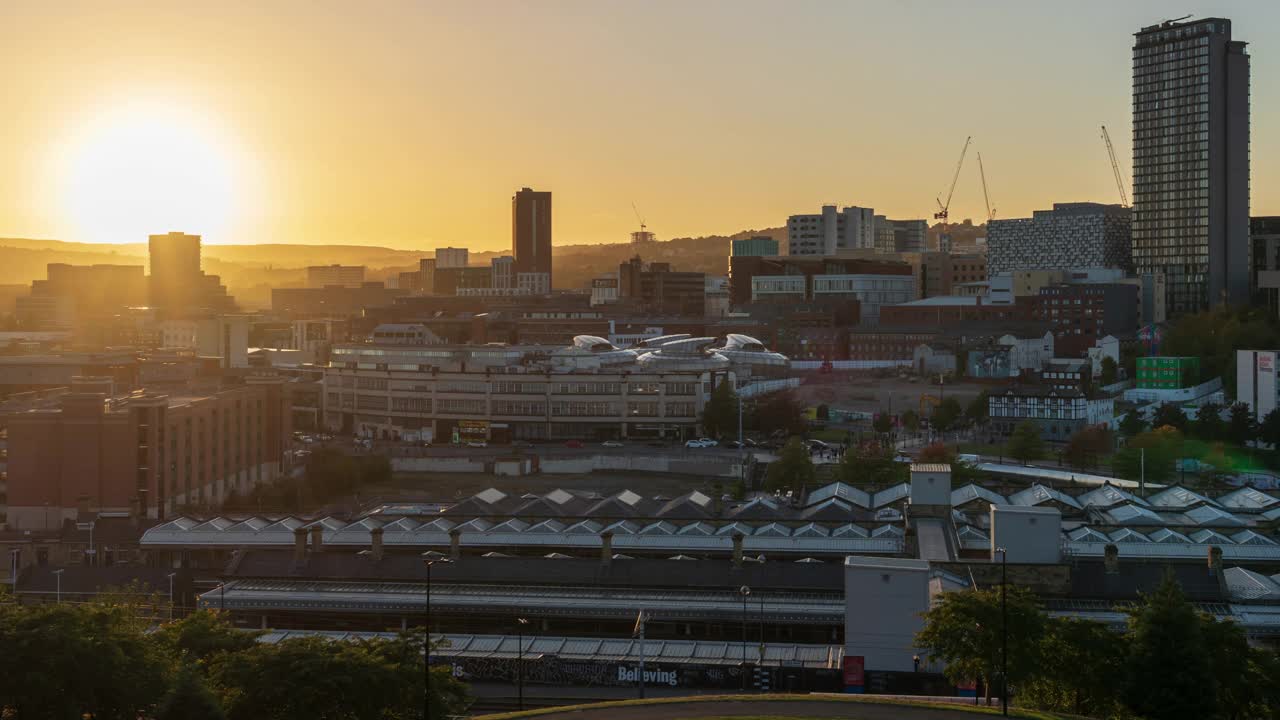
{"points": [[611, 444], [522, 444], [477, 444], [700, 443], [708, 442], [573, 443]]}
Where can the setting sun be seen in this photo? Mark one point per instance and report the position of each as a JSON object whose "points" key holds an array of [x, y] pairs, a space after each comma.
{"points": [[142, 170]]}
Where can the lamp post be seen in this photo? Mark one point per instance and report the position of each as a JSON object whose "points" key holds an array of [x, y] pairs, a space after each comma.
{"points": [[520, 623], [170, 576], [746, 593], [915, 662], [58, 574], [1004, 631], [426, 642]]}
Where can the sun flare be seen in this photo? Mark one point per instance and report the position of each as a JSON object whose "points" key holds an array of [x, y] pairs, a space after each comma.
{"points": [[144, 170]]}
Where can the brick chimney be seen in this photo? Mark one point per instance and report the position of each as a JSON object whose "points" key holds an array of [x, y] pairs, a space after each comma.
{"points": [[300, 545], [606, 548], [737, 549], [1215, 561], [1111, 558], [455, 545], [317, 537], [375, 540]]}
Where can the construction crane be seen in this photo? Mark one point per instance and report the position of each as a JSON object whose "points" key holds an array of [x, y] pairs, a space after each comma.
{"points": [[636, 210], [991, 213], [1115, 167], [945, 208]]}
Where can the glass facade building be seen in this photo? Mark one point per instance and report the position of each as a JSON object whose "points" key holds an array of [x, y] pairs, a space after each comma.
{"points": [[1191, 162]]}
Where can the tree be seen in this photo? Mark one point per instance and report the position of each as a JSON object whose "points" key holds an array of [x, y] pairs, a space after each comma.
{"points": [[1170, 415], [946, 415], [823, 412], [1026, 444], [1269, 428], [963, 630], [65, 661], [1169, 673], [1132, 424], [1108, 372], [778, 412], [1155, 450], [1241, 429], [792, 470], [1208, 425], [720, 416], [911, 421], [1087, 446], [189, 699], [318, 678], [936, 453], [978, 411], [871, 464], [1083, 671], [201, 636], [882, 423]]}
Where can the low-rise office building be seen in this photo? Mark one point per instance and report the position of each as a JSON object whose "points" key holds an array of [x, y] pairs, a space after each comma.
{"points": [[1058, 413]]}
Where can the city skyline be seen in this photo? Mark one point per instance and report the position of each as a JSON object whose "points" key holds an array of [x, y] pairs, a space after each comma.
{"points": [[416, 134]]}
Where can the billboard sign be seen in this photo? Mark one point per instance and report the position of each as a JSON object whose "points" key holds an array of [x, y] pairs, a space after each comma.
{"points": [[855, 673]]}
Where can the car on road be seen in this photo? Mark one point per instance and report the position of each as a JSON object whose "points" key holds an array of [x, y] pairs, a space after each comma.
{"points": [[611, 444], [700, 443], [522, 444], [477, 444], [573, 444]]}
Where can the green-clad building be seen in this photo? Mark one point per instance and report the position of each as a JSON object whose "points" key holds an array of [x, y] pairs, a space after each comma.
{"points": [[1168, 373]]}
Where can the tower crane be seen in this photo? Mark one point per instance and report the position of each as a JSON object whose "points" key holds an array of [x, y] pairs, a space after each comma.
{"points": [[638, 217], [944, 208], [991, 213], [1115, 167]]}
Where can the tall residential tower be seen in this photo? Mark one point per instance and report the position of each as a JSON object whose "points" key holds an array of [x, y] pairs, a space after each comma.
{"points": [[531, 237], [1191, 162]]}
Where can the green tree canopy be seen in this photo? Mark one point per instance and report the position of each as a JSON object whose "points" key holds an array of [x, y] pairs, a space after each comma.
{"points": [[1269, 428], [1109, 371], [911, 421], [1026, 444], [870, 464], [1168, 664], [778, 412], [1157, 450], [792, 470], [1088, 446], [978, 411], [883, 423], [201, 636], [720, 416], [1132, 424], [1241, 429], [947, 415], [1208, 425], [963, 630], [189, 699], [1083, 671], [1170, 415]]}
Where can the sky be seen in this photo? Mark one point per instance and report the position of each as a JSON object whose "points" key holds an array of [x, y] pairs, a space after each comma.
{"points": [[411, 124]]}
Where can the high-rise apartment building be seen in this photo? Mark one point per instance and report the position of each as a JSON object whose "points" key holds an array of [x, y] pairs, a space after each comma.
{"points": [[849, 228], [1191, 161], [450, 257], [178, 285], [531, 232]]}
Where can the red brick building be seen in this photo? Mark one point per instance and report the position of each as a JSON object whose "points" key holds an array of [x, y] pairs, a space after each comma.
{"points": [[147, 454]]}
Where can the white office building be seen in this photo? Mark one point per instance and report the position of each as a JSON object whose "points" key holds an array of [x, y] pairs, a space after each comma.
{"points": [[850, 228]]}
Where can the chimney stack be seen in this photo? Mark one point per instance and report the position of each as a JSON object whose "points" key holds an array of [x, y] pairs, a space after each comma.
{"points": [[1215, 560], [1111, 558], [737, 549], [317, 537], [300, 545], [375, 537], [455, 545], [606, 548]]}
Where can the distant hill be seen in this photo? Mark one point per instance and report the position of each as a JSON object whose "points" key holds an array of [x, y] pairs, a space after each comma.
{"points": [[250, 271]]}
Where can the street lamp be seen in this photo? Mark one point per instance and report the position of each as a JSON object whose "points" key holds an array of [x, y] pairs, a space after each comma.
{"points": [[746, 593], [58, 574], [915, 662], [520, 623], [1004, 631], [170, 576], [426, 639]]}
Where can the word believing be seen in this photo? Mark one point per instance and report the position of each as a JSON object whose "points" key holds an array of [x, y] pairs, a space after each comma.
{"points": [[656, 677]]}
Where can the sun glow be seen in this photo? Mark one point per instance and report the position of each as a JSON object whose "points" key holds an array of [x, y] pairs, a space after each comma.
{"points": [[146, 170]]}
